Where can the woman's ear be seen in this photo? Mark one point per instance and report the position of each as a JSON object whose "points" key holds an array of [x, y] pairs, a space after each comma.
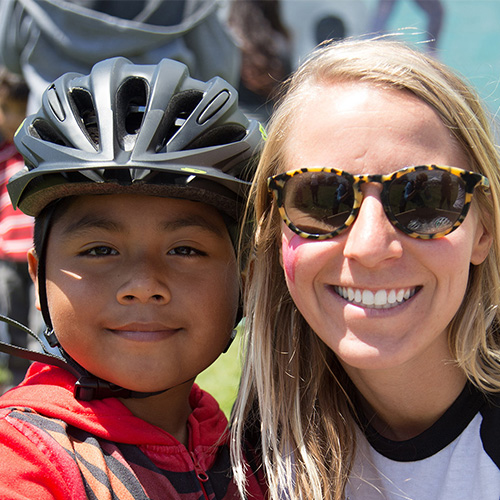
{"points": [[33, 270], [483, 239]]}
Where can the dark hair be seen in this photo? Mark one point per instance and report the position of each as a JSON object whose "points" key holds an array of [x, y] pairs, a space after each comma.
{"points": [[264, 45], [13, 85], [46, 219]]}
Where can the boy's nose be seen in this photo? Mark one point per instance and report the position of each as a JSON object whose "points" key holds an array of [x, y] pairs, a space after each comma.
{"points": [[144, 284], [372, 239]]}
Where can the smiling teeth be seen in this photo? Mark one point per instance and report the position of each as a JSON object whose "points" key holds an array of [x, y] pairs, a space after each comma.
{"points": [[381, 299]]}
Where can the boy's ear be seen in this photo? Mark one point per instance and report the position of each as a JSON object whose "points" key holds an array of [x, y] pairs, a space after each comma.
{"points": [[33, 270]]}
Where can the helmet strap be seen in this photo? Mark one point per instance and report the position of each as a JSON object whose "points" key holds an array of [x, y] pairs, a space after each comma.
{"points": [[42, 285]]}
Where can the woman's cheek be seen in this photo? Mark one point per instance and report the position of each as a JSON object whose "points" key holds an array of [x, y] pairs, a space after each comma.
{"points": [[290, 255]]}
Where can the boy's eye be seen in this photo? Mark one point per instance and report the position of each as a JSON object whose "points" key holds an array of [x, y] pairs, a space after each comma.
{"points": [[185, 251], [100, 251]]}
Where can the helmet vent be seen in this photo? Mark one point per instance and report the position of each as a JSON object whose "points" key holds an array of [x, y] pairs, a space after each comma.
{"points": [[84, 109], [179, 109], [130, 107], [218, 136], [43, 130]]}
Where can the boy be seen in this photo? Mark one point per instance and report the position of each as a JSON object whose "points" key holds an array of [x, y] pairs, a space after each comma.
{"points": [[136, 177]]}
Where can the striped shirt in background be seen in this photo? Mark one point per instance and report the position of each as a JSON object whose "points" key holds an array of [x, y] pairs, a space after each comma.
{"points": [[16, 228]]}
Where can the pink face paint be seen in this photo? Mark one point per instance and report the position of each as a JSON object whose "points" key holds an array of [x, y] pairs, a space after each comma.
{"points": [[290, 254]]}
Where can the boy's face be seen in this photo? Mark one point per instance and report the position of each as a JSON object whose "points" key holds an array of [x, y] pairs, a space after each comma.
{"points": [[12, 113], [142, 291]]}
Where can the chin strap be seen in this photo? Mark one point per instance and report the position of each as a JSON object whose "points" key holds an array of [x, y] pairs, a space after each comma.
{"points": [[44, 356], [88, 386], [91, 387]]}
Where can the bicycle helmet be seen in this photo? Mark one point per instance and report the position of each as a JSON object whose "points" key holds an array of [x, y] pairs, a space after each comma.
{"points": [[142, 128], [127, 128]]}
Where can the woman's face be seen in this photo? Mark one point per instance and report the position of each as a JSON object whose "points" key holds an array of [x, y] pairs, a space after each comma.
{"points": [[367, 130]]}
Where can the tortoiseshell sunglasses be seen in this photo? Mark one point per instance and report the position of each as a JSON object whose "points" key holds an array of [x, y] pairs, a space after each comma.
{"points": [[426, 201]]}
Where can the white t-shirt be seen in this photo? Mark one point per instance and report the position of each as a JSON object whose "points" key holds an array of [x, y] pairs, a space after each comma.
{"points": [[458, 458]]}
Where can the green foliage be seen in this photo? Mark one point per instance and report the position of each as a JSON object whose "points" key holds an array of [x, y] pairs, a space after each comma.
{"points": [[5, 378], [221, 379]]}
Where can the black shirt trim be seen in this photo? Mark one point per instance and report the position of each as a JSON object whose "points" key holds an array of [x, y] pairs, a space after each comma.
{"points": [[439, 435]]}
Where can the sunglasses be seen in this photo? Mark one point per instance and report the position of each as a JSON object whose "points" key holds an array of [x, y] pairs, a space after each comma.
{"points": [[425, 202]]}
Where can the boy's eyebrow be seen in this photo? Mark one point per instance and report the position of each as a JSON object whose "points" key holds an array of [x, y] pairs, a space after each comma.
{"points": [[108, 224], [91, 222], [194, 220]]}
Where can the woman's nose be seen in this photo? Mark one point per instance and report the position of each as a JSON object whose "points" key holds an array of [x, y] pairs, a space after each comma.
{"points": [[372, 239]]}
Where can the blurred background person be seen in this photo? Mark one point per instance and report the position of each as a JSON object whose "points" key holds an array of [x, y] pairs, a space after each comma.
{"points": [[265, 52], [16, 229], [43, 39]]}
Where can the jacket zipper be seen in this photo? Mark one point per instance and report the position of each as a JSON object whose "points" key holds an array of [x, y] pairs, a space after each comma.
{"points": [[200, 474]]}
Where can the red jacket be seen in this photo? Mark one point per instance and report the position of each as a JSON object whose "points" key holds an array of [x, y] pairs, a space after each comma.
{"points": [[55, 447]]}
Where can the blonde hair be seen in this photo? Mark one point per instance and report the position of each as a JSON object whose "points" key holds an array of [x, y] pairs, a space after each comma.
{"points": [[292, 384]]}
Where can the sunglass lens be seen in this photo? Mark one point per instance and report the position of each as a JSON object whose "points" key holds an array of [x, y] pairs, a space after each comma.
{"points": [[318, 202], [427, 201]]}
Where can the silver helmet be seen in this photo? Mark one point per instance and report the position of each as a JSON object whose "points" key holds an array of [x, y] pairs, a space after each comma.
{"points": [[148, 129]]}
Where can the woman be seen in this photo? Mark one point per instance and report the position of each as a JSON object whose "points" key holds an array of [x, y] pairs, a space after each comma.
{"points": [[373, 359]]}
